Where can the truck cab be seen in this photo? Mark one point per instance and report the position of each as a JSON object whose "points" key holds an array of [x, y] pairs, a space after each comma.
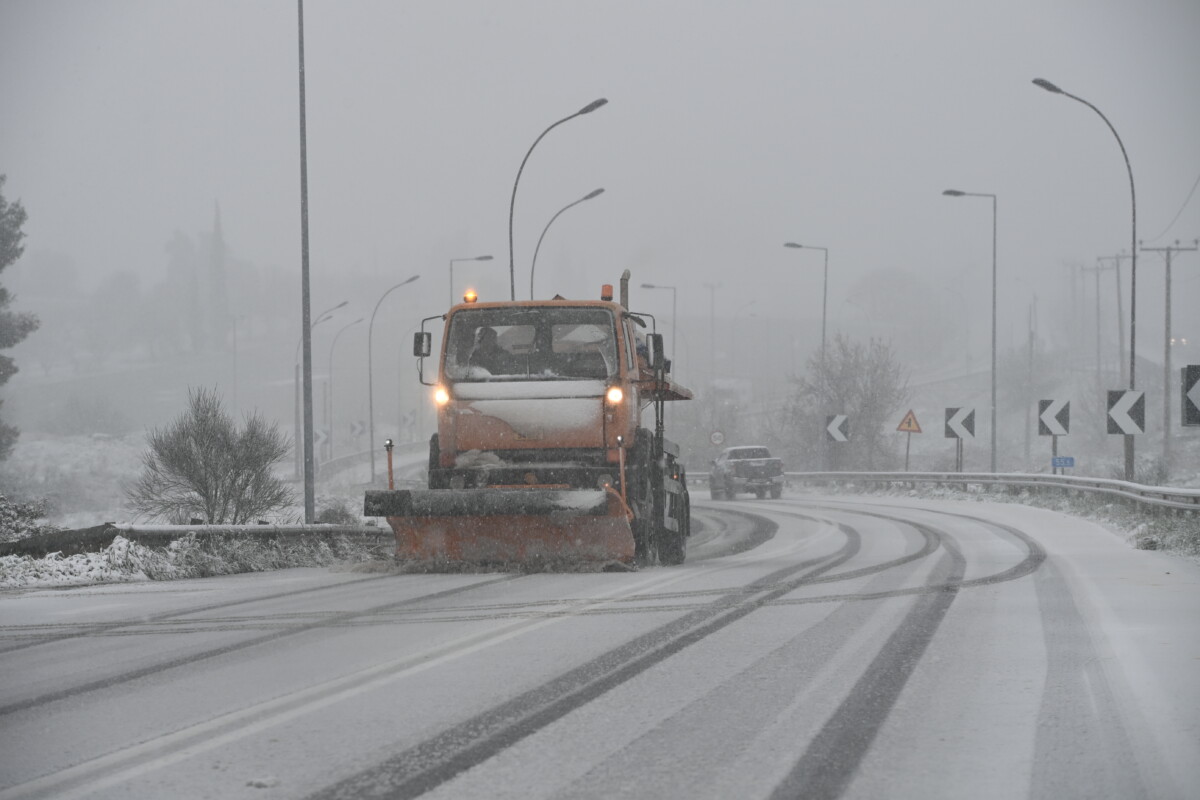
{"points": [[539, 393]]}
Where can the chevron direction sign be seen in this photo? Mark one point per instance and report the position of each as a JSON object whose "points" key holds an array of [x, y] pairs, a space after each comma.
{"points": [[837, 428], [1054, 417], [1126, 411], [1190, 384], [960, 423]]}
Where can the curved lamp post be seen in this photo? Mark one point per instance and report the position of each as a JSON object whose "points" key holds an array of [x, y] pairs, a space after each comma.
{"points": [[589, 108], [533, 266], [1050, 87], [957, 193], [301, 439], [674, 296], [712, 351], [331, 346], [370, 365], [454, 261], [824, 289]]}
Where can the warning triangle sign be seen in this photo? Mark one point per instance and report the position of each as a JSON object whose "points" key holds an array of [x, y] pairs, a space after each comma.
{"points": [[909, 424]]}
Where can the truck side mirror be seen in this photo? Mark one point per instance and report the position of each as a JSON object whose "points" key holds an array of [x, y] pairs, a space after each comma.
{"points": [[655, 340], [422, 344]]}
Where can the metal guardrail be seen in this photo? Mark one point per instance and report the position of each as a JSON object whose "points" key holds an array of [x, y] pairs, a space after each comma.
{"points": [[99, 537], [1158, 496]]}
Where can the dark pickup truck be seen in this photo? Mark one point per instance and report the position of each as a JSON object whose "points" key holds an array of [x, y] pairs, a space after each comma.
{"points": [[745, 469]]}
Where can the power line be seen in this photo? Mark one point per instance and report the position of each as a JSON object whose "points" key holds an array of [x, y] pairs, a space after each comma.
{"points": [[1179, 213]]}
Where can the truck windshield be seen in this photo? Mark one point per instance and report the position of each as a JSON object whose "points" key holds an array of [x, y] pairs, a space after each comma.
{"points": [[520, 344]]}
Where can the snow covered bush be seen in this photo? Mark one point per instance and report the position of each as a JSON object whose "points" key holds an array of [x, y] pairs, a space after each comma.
{"points": [[22, 520], [202, 466], [337, 511], [192, 556]]}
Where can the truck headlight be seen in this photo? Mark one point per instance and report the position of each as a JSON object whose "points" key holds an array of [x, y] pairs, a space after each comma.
{"points": [[615, 395], [441, 396]]}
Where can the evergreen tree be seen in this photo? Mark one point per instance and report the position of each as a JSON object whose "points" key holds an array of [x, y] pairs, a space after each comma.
{"points": [[13, 326]]}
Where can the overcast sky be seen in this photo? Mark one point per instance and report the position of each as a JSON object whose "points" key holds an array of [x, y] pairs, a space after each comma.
{"points": [[730, 129]]}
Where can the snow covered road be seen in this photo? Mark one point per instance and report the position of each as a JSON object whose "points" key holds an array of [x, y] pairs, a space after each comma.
{"points": [[870, 648]]}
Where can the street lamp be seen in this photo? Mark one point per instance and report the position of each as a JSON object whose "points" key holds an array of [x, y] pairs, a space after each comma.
{"points": [[589, 108], [957, 193], [370, 367], [301, 446], [824, 291], [674, 295], [737, 315], [533, 266], [712, 350], [1050, 87], [454, 261], [331, 346], [305, 308]]}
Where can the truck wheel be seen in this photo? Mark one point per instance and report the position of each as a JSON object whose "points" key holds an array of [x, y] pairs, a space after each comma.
{"points": [[641, 499], [672, 548], [776, 492], [435, 452], [645, 551]]}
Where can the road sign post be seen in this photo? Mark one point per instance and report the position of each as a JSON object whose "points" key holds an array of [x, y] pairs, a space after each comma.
{"points": [[960, 424], [837, 429], [908, 425], [1126, 412], [1189, 386], [1054, 420]]}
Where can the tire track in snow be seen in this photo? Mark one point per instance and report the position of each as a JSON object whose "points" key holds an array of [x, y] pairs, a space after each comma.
{"points": [[132, 675], [440, 758], [77, 629]]}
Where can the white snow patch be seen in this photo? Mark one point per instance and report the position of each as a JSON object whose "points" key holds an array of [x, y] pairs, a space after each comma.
{"points": [[529, 390], [477, 458], [121, 562]]}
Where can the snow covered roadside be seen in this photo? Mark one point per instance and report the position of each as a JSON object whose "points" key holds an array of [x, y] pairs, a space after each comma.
{"points": [[124, 561], [1178, 534], [121, 562]]}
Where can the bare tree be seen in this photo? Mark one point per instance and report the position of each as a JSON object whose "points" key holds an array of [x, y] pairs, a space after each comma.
{"points": [[862, 381], [202, 466]]}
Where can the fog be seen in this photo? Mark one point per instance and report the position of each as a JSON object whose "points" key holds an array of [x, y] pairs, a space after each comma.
{"points": [[150, 141]]}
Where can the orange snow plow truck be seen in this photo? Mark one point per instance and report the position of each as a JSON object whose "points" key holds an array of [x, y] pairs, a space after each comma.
{"points": [[541, 455]]}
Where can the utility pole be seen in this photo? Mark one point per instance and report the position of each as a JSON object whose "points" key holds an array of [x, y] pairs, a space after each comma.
{"points": [[1100, 267], [1116, 261], [1029, 399], [1169, 250]]}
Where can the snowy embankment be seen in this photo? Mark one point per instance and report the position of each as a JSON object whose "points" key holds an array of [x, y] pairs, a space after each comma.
{"points": [[1177, 533], [125, 561]]}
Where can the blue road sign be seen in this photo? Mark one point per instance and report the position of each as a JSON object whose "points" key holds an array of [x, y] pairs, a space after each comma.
{"points": [[1058, 462]]}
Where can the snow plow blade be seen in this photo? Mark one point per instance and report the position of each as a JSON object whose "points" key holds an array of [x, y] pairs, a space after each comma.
{"points": [[504, 526]]}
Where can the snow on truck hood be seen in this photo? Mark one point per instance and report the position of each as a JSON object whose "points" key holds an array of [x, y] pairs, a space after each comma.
{"points": [[529, 390], [534, 410]]}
